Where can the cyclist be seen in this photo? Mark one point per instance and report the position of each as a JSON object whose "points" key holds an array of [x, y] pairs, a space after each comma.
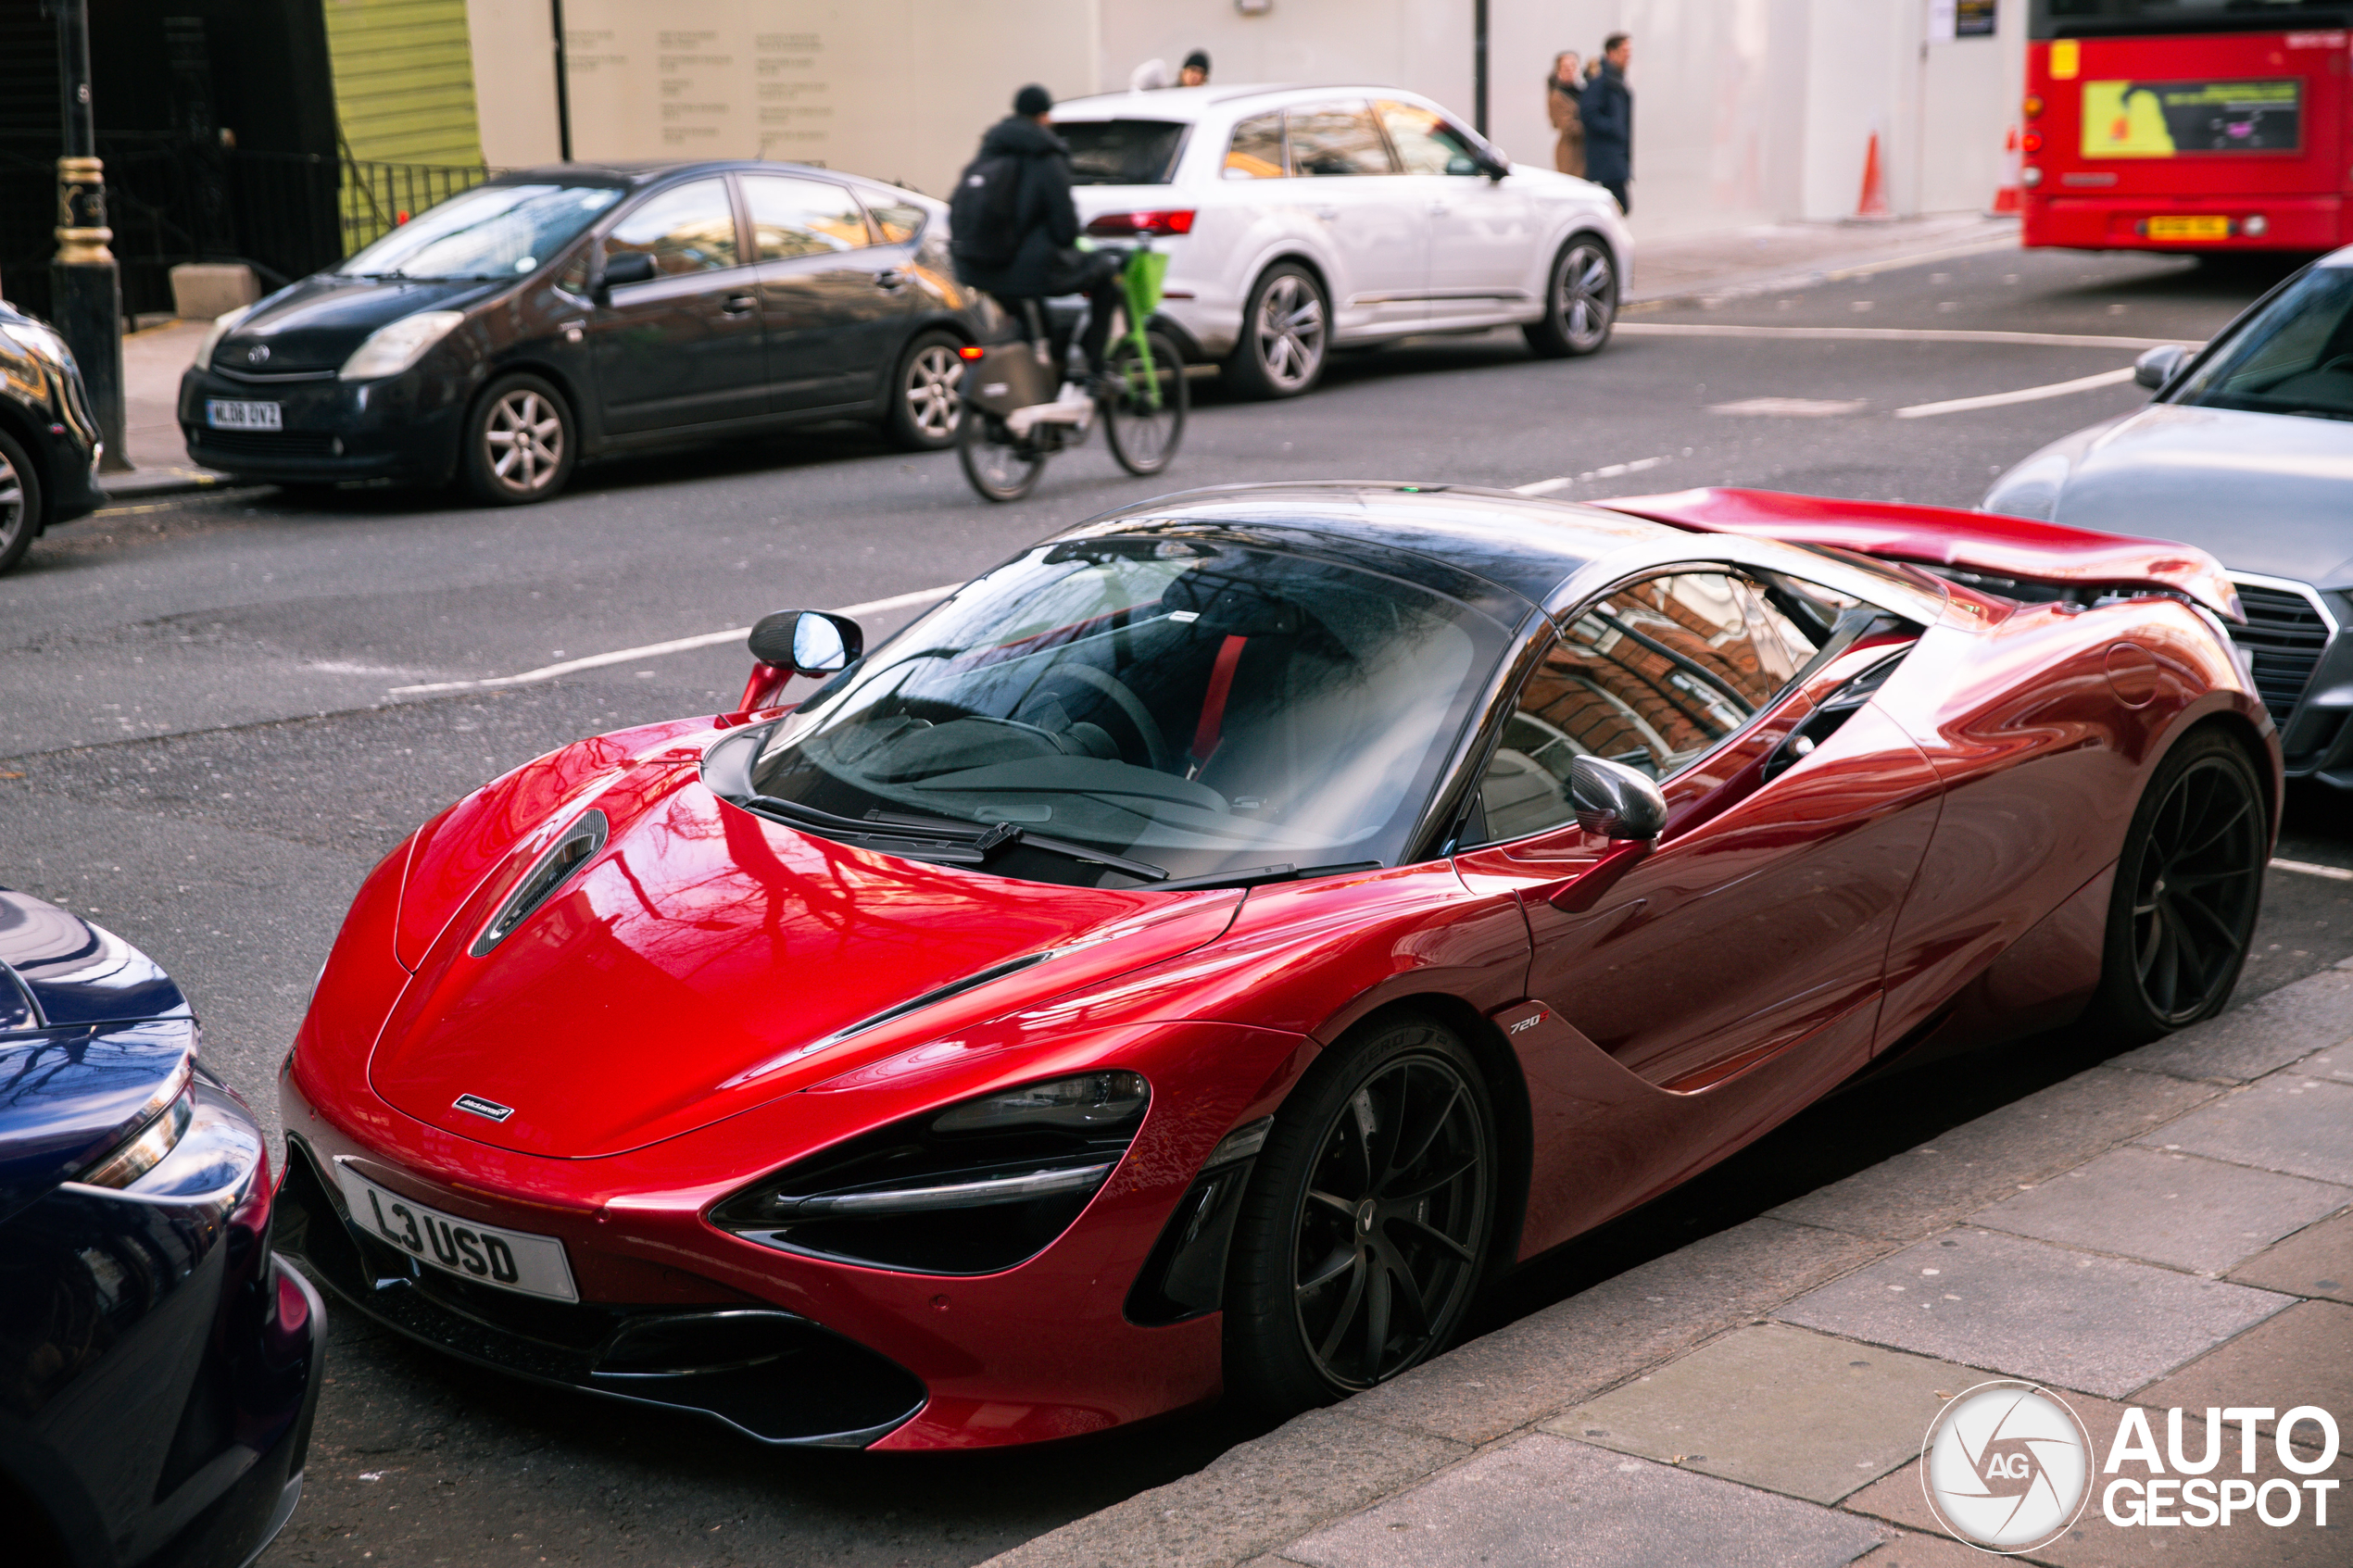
{"points": [[1014, 228]]}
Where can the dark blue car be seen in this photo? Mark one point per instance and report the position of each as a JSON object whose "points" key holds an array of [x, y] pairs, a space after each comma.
{"points": [[158, 1366]]}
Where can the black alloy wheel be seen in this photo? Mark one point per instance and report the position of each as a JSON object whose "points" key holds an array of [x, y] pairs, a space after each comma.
{"points": [[2189, 883], [999, 467], [521, 441], [926, 397], [19, 503], [1286, 332], [1580, 306], [1144, 415], [1365, 1232]]}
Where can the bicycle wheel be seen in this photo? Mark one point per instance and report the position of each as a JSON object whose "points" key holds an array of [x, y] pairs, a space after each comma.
{"points": [[997, 469], [1144, 437]]}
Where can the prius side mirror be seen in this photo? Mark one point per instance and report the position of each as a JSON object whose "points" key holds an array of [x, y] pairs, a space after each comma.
{"points": [[806, 642], [2155, 366], [628, 267], [1613, 800]]}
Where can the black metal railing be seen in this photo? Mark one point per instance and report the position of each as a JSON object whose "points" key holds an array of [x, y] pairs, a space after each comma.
{"points": [[172, 200]]}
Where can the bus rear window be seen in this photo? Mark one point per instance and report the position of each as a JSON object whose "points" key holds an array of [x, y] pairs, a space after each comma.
{"points": [[2123, 19], [1122, 152]]}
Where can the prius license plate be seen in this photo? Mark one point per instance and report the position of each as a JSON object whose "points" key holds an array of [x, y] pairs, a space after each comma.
{"points": [[2214, 227], [515, 1260], [229, 413]]}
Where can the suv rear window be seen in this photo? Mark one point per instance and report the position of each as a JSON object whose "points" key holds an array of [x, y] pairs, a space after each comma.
{"points": [[1122, 152]]}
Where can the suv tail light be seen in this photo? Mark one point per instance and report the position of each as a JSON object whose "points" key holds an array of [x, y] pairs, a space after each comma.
{"points": [[1178, 221]]}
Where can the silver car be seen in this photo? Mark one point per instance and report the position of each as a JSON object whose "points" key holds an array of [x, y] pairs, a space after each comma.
{"points": [[2246, 452]]}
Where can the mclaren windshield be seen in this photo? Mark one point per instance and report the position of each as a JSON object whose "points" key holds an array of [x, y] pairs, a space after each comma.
{"points": [[1132, 710]]}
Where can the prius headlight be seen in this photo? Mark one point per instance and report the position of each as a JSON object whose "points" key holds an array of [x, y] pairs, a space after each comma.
{"points": [[392, 348], [974, 1188]]}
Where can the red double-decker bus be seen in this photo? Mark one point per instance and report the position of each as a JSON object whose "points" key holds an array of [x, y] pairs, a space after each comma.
{"points": [[2188, 125]]}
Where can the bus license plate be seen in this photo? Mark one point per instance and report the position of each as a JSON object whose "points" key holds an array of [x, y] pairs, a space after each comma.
{"points": [[2189, 228], [223, 413], [532, 1265]]}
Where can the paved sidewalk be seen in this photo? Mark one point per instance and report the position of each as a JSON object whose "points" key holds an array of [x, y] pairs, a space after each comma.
{"points": [[1709, 266], [2170, 1228]]}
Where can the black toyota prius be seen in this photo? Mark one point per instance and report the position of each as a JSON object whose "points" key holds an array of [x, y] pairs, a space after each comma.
{"points": [[565, 313]]}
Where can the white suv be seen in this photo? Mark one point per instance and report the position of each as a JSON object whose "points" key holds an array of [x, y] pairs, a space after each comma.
{"points": [[1299, 220]]}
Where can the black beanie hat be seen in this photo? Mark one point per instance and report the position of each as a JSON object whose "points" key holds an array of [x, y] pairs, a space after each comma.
{"points": [[1032, 101], [1198, 60]]}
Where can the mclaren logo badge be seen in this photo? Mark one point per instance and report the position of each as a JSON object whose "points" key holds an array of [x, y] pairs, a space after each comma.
{"points": [[474, 1105]]}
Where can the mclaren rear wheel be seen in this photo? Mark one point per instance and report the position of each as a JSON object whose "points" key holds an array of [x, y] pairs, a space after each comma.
{"points": [[1367, 1228], [2189, 883]]}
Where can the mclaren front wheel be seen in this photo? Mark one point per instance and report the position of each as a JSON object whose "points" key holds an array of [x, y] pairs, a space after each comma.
{"points": [[1367, 1225]]}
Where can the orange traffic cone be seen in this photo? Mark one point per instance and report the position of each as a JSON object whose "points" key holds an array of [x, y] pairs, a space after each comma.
{"points": [[2005, 198], [1873, 201]]}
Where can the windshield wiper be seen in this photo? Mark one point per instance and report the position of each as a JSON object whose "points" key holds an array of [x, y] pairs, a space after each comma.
{"points": [[978, 844], [1260, 876]]}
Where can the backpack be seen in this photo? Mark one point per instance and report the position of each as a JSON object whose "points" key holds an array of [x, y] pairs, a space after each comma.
{"points": [[984, 215]]}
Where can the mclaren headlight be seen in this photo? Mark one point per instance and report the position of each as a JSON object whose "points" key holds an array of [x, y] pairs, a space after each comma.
{"points": [[392, 348], [972, 1189]]}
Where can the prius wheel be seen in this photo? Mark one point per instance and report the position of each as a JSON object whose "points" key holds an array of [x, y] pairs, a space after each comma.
{"points": [[520, 443], [927, 397], [2188, 885], [1367, 1223], [1286, 329], [19, 503], [1581, 305]]}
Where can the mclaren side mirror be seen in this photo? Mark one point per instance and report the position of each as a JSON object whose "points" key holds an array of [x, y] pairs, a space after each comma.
{"points": [[1613, 800], [2155, 366], [629, 267], [806, 642]]}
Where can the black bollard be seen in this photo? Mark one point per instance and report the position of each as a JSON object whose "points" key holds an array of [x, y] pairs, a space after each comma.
{"points": [[85, 285]]}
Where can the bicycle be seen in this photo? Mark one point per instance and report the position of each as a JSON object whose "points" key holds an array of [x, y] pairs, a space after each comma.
{"points": [[1013, 422]]}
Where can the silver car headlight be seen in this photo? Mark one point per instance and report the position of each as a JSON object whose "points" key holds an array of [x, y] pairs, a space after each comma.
{"points": [[222, 327], [392, 348]]}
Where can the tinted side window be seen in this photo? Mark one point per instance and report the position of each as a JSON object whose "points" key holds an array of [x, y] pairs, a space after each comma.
{"points": [[689, 228], [1256, 151], [1653, 676], [1425, 143], [1122, 152], [900, 221], [1335, 139], [793, 218]]}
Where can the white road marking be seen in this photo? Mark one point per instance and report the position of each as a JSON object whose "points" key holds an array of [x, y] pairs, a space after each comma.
{"points": [[2023, 394], [2335, 873], [652, 650], [1791, 407], [1893, 334], [1611, 470]]}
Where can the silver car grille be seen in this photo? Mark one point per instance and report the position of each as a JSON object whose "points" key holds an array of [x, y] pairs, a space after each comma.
{"points": [[2288, 628]]}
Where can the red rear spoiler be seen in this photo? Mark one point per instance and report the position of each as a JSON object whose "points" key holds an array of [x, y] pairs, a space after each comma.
{"points": [[2015, 548]]}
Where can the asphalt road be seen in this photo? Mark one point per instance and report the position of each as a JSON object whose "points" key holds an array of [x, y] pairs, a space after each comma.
{"points": [[200, 747]]}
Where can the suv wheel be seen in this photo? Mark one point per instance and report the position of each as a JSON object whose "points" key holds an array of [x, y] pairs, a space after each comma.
{"points": [[1285, 330], [1580, 305]]}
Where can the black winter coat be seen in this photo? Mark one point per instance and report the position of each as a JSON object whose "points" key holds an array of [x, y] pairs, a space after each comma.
{"points": [[1609, 128], [1048, 218]]}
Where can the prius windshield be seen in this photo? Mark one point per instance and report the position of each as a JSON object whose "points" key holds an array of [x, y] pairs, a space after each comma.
{"points": [[1184, 707], [489, 232]]}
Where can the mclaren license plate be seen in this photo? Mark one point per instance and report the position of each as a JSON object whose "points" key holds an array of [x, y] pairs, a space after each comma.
{"points": [[517, 1260], [2199, 228], [231, 413]]}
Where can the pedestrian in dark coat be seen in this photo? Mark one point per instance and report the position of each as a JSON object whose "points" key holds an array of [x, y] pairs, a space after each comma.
{"points": [[1608, 112], [1562, 90], [1045, 261]]}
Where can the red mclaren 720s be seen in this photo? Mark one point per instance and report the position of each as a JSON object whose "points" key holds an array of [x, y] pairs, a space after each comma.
{"points": [[1208, 949]]}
